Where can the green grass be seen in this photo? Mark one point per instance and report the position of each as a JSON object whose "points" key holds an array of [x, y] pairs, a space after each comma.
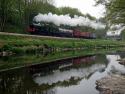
{"points": [[12, 62], [18, 44], [28, 44]]}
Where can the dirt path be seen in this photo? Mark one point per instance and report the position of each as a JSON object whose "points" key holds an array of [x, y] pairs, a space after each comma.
{"points": [[38, 36]]}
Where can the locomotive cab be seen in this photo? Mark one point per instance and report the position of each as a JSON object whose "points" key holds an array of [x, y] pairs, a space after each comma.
{"points": [[31, 29]]}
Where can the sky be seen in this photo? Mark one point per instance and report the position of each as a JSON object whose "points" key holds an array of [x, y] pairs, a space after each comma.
{"points": [[85, 6]]}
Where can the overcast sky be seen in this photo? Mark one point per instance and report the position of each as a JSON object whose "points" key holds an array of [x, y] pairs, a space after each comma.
{"points": [[85, 6]]}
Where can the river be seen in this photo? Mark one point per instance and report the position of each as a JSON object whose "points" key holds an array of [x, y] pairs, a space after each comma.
{"points": [[68, 76]]}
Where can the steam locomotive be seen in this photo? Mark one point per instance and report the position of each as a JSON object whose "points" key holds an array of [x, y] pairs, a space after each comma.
{"points": [[51, 30]]}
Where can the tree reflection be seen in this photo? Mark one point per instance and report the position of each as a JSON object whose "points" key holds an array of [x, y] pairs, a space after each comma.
{"points": [[22, 81]]}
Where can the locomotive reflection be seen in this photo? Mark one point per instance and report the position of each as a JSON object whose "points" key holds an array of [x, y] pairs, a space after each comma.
{"points": [[43, 78], [65, 70]]}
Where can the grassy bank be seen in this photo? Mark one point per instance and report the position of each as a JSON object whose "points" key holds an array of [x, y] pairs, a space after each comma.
{"points": [[27, 44], [18, 61]]}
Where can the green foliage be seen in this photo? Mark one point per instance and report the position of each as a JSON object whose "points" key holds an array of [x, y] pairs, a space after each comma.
{"points": [[21, 12], [16, 15], [14, 29], [7, 47], [23, 44], [100, 33], [123, 35], [70, 11], [115, 10], [90, 17], [29, 59]]}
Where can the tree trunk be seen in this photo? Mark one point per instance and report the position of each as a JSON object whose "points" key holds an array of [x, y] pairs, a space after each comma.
{"points": [[3, 15]]}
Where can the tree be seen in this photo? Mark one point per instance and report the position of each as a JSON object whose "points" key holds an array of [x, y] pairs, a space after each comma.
{"points": [[115, 10], [70, 11], [21, 12], [90, 17], [5, 7]]}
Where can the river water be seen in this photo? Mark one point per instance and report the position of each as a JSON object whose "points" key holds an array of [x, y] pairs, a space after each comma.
{"points": [[68, 76]]}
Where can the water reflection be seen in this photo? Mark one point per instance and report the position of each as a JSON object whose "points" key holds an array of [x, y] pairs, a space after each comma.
{"points": [[67, 76], [114, 66]]}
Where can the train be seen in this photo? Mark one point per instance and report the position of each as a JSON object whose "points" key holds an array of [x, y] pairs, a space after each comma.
{"points": [[50, 30], [63, 64]]}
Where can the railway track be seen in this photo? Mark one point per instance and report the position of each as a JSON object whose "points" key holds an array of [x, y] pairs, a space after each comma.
{"points": [[37, 36]]}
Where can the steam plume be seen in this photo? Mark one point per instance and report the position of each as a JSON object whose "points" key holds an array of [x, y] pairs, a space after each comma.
{"points": [[67, 20]]}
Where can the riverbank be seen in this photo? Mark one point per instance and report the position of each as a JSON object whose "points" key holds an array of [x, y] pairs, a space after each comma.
{"points": [[26, 60], [21, 43], [114, 84], [122, 61]]}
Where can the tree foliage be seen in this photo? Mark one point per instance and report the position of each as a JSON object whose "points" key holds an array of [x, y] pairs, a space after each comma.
{"points": [[21, 12], [70, 11], [115, 10], [90, 17], [5, 11], [18, 14]]}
